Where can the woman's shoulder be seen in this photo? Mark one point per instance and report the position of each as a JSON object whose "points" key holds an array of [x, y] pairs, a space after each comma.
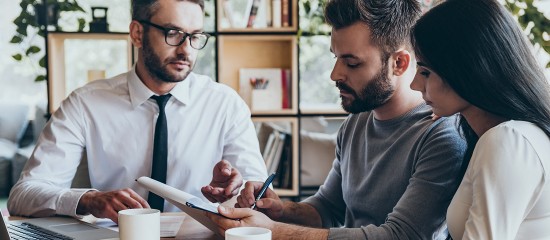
{"points": [[516, 139], [518, 130]]}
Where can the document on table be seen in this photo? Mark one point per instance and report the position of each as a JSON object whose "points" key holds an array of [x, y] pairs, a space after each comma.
{"points": [[169, 225], [192, 205]]}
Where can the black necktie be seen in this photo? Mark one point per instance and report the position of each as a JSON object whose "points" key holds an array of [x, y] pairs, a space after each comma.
{"points": [[160, 152]]}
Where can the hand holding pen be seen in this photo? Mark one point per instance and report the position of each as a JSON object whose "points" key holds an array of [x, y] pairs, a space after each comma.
{"points": [[267, 203], [262, 190]]}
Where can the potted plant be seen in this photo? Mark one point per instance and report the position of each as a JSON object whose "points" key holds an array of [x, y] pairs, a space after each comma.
{"points": [[35, 18]]}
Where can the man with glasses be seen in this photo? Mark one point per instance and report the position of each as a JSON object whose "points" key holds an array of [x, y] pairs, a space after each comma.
{"points": [[159, 119]]}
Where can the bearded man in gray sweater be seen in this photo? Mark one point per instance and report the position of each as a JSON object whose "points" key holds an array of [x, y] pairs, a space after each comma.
{"points": [[396, 169]]}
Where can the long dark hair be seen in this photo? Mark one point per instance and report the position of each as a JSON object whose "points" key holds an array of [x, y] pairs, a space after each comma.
{"points": [[478, 48]]}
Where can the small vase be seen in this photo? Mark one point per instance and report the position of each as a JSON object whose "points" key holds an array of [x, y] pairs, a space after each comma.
{"points": [[47, 15]]}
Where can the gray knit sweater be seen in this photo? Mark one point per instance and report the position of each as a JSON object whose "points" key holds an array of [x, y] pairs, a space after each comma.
{"points": [[391, 179]]}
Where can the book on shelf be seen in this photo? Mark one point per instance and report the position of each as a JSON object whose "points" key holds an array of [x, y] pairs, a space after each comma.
{"points": [[268, 12], [284, 166], [275, 157], [265, 88], [285, 13], [287, 88], [228, 13], [266, 149], [253, 12], [276, 13], [270, 148], [276, 145]]}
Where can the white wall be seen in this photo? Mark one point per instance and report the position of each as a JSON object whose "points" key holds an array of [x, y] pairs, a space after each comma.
{"points": [[16, 78]]}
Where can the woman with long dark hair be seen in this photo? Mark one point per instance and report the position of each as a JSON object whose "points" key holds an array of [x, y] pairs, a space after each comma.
{"points": [[473, 59]]}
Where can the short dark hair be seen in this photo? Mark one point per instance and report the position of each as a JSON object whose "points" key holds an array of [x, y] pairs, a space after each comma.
{"points": [[390, 21], [479, 50], [145, 9]]}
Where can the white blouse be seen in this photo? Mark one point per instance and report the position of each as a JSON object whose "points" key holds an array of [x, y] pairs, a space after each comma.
{"points": [[505, 193]]}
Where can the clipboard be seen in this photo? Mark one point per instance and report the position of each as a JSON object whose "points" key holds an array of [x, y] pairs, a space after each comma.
{"points": [[188, 203]]}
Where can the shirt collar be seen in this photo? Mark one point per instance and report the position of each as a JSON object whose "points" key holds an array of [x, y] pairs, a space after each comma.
{"points": [[139, 93]]}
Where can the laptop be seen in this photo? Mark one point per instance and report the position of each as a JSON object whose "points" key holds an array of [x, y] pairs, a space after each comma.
{"points": [[55, 228]]}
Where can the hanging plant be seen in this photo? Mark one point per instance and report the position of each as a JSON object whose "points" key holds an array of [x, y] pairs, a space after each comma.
{"points": [[533, 21], [33, 21]]}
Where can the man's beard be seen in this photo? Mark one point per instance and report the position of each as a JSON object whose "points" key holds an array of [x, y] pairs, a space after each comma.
{"points": [[375, 94], [155, 66]]}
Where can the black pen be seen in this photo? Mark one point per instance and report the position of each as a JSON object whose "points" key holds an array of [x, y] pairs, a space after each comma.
{"points": [[264, 187]]}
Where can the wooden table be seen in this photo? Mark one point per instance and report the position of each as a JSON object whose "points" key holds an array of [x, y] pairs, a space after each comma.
{"points": [[190, 228]]}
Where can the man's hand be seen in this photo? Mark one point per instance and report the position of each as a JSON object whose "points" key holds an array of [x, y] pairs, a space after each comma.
{"points": [[270, 204], [107, 204], [247, 216], [225, 183]]}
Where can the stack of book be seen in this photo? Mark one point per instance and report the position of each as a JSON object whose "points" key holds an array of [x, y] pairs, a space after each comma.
{"points": [[277, 154], [259, 14]]}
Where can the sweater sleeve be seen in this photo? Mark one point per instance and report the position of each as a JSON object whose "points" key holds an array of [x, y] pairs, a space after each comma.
{"points": [[420, 212]]}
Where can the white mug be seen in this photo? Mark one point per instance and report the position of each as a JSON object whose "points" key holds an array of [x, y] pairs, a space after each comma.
{"points": [[139, 223], [248, 233]]}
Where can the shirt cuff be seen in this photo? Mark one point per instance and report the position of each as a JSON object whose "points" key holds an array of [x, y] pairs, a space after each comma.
{"points": [[68, 201], [346, 233]]}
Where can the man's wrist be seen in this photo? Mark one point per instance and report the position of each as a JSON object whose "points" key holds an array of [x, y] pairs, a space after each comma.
{"points": [[289, 231], [83, 204], [286, 215]]}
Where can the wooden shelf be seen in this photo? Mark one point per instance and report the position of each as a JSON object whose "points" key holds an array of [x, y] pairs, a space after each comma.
{"points": [[57, 82], [258, 30], [266, 51]]}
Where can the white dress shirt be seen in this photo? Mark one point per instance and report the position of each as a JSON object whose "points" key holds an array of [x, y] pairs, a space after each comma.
{"points": [[505, 193], [112, 121]]}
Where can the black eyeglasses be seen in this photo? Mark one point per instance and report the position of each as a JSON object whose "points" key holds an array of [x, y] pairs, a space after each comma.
{"points": [[175, 37]]}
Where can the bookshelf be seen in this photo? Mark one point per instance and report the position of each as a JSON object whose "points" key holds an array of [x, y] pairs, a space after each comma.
{"points": [[258, 51], [264, 46]]}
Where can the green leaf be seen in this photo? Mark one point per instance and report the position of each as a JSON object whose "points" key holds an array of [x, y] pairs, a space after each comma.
{"points": [[17, 57], [32, 50], [16, 39], [307, 7], [78, 7], [42, 62], [22, 30], [40, 78], [548, 65], [81, 24]]}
